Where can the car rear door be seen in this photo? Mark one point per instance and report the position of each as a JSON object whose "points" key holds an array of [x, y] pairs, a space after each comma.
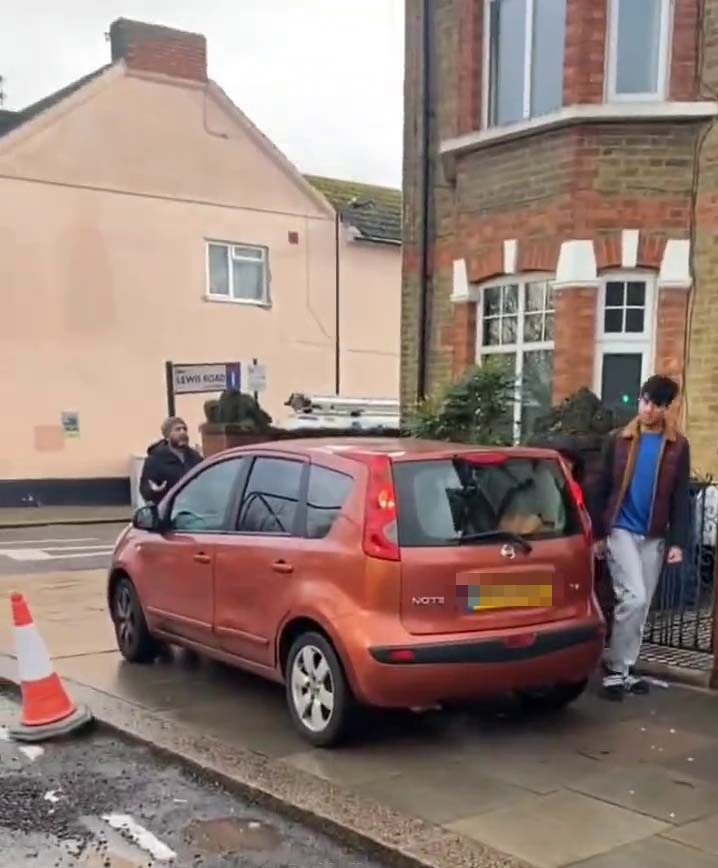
{"points": [[178, 565], [498, 580], [257, 563]]}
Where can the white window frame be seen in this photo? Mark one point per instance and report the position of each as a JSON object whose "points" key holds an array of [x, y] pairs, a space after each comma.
{"points": [[528, 67], [664, 55], [231, 298], [519, 347], [609, 343]]}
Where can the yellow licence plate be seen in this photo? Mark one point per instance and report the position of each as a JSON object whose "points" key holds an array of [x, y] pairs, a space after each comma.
{"points": [[480, 597]]}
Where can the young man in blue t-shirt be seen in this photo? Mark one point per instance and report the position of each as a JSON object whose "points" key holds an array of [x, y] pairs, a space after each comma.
{"points": [[640, 513]]}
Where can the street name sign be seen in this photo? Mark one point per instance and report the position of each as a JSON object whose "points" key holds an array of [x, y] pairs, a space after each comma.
{"points": [[211, 377]]}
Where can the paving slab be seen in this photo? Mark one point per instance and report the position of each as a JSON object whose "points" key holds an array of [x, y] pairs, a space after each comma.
{"points": [[637, 741], [658, 792], [444, 794], [652, 853], [703, 835], [701, 764], [559, 829]]}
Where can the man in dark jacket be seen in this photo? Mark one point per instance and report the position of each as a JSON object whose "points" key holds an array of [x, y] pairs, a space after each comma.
{"points": [[640, 508], [167, 460]]}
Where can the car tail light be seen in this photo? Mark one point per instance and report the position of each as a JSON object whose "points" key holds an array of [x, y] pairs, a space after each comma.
{"points": [[380, 529], [580, 501]]}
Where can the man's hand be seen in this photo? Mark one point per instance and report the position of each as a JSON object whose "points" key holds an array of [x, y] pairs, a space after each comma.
{"points": [[675, 555], [599, 549], [157, 487]]}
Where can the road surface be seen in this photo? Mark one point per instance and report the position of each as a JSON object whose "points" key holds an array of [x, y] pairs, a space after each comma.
{"points": [[35, 550], [99, 802]]}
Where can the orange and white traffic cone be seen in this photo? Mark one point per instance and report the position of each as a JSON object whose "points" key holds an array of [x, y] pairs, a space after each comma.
{"points": [[47, 710]]}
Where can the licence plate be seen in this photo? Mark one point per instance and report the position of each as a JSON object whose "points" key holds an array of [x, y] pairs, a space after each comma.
{"points": [[496, 594]]}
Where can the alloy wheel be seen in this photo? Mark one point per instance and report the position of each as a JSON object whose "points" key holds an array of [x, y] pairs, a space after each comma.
{"points": [[125, 617], [312, 689]]}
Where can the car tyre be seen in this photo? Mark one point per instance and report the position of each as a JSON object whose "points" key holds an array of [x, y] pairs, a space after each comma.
{"points": [[319, 698], [134, 640], [552, 698]]}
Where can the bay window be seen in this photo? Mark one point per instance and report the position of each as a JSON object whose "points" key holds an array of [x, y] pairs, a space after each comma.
{"points": [[516, 325], [524, 58], [639, 33]]}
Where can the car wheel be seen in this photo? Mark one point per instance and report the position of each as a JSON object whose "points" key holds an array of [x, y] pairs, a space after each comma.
{"points": [[133, 638], [319, 698], [552, 698]]}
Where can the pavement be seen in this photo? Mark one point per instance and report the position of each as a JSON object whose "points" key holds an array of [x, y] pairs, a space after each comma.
{"points": [[598, 786], [47, 516], [99, 802]]}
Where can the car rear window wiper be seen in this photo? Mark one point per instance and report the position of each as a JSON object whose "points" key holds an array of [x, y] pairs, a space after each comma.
{"points": [[496, 534]]}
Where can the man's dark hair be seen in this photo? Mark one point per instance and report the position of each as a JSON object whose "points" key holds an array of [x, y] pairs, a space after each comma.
{"points": [[659, 390]]}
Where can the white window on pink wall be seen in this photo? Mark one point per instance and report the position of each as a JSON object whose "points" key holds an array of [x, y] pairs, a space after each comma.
{"points": [[237, 272], [524, 51], [516, 326], [638, 49]]}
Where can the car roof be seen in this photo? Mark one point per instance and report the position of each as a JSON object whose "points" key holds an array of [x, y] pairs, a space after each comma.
{"points": [[397, 448]]}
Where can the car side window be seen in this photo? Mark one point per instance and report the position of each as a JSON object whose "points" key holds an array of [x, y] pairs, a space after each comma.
{"points": [[326, 495], [203, 504], [271, 498]]}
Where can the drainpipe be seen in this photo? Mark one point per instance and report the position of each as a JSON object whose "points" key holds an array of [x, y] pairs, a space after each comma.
{"points": [[337, 300], [424, 276]]}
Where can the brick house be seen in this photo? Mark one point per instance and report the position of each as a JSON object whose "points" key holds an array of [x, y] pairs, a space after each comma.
{"points": [[570, 156]]}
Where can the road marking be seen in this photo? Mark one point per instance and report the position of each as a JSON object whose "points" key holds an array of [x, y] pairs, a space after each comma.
{"points": [[106, 545], [44, 555], [32, 752], [106, 551], [4, 734], [143, 838], [20, 542], [25, 554]]}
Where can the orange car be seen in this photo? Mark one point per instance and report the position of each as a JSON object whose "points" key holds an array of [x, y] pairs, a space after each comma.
{"points": [[390, 573]]}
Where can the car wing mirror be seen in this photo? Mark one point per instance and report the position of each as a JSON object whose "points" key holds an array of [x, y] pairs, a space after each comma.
{"points": [[147, 518]]}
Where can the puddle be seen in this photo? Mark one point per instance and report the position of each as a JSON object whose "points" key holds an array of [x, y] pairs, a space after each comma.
{"points": [[232, 835]]}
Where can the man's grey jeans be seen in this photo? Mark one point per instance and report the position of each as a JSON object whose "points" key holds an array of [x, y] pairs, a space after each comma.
{"points": [[635, 564]]}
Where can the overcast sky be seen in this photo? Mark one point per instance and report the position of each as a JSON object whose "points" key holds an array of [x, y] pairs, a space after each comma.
{"points": [[322, 78]]}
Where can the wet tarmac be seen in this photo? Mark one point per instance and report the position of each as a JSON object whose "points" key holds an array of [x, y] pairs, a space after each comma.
{"points": [[100, 802]]}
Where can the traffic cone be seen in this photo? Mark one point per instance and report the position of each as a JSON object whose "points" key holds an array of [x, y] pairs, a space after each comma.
{"points": [[47, 710]]}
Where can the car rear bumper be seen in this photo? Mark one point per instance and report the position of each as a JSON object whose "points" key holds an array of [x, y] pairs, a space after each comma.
{"points": [[410, 675]]}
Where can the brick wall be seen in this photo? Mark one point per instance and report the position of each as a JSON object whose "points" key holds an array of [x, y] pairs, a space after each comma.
{"points": [[701, 395], [574, 340], [585, 54], [443, 124], [589, 181], [151, 48]]}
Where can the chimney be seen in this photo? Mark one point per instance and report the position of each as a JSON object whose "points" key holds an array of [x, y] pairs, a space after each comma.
{"points": [[152, 48]]}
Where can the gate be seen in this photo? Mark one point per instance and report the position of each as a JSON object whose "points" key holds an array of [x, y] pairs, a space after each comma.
{"points": [[679, 630]]}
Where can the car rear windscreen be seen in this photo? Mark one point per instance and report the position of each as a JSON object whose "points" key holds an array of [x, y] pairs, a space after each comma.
{"points": [[441, 501]]}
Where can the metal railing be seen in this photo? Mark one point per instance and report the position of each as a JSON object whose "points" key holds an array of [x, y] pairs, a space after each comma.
{"points": [[683, 609]]}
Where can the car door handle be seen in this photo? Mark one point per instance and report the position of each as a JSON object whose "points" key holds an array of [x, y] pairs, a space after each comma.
{"points": [[202, 558], [282, 567]]}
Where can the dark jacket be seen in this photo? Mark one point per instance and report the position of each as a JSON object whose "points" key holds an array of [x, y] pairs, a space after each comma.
{"points": [[164, 465], [670, 511]]}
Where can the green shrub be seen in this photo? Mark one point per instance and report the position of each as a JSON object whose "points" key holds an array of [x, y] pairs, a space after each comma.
{"points": [[238, 409], [475, 409]]}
